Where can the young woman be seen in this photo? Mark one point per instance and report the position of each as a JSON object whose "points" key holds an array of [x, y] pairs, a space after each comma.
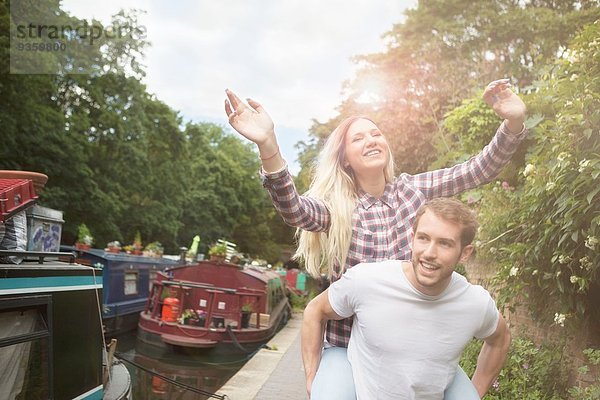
{"points": [[356, 211]]}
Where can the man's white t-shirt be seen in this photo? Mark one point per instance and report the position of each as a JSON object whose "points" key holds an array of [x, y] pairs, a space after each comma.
{"points": [[404, 344]]}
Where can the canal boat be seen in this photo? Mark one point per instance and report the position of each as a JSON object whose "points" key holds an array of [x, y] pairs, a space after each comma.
{"points": [[50, 332], [51, 338], [214, 308], [127, 281]]}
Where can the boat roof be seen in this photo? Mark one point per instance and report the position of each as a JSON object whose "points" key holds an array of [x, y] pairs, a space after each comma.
{"points": [[122, 256], [262, 274]]}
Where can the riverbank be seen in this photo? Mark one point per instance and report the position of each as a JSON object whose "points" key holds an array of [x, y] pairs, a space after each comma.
{"points": [[275, 374]]}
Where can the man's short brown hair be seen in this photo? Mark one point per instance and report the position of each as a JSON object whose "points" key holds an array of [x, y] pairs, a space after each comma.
{"points": [[454, 211]]}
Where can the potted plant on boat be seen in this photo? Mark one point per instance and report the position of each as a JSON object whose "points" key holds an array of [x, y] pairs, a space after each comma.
{"points": [[188, 317], [84, 238], [247, 310], [154, 249], [113, 247], [136, 247], [218, 252]]}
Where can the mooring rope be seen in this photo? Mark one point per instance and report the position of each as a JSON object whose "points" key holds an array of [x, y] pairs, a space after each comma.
{"points": [[235, 341]]}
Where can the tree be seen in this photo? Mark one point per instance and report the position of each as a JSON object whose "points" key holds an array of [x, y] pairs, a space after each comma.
{"points": [[445, 51]]}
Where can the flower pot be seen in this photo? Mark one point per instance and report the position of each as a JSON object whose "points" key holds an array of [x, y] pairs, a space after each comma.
{"points": [[246, 319], [82, 246], [114, 250]]}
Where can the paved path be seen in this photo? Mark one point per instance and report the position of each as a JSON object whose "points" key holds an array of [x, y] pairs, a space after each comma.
{"points": [[272, 374]]}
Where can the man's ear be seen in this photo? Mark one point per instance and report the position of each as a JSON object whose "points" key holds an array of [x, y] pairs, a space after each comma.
{"points": [[466, 252]]}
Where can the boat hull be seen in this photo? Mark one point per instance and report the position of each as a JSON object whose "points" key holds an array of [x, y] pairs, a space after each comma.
{"points": [[174, 337]]}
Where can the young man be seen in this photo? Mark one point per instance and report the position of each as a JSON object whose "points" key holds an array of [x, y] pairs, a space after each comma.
{"points": [[413, 318]]}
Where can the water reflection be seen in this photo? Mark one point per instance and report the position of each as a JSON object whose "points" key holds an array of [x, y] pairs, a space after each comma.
{"points": [[198, 372]]}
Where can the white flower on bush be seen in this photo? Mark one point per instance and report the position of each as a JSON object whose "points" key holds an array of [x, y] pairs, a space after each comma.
{"points": [[550, 186], [564, 259], [513, 271], [493, 250], [559, 319], [529, 170], [591, 242], [583, 165], [572, 56], [573, 279], [562, 156], [585, 263], [535, 272]]}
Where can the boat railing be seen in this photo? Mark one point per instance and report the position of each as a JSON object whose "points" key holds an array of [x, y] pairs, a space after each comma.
{"points": [[183, 284], [215, 317], [41, 256]]}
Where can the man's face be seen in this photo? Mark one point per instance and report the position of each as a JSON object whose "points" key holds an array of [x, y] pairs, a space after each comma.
{"points": [[436, 251]]}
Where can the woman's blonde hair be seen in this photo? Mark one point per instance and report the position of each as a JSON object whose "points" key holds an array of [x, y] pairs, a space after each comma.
{"points": [[337, 188]]}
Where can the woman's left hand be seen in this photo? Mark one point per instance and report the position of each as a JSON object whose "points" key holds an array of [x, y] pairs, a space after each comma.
{"points": [[506, 103]]}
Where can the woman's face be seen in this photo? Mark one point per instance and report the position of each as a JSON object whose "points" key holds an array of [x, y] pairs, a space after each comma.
{"points": [[366, 147]]}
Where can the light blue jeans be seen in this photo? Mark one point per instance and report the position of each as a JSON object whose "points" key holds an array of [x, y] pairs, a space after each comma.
{"points": [[334, 380]]}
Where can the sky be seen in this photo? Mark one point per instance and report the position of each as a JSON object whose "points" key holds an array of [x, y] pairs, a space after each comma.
{"points": [[292, 56]]}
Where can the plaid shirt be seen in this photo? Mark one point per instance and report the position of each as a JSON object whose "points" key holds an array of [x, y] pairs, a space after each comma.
{"points": [[382, 228]]}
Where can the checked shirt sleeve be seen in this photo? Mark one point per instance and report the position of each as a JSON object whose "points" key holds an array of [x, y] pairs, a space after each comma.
{"points": [[298, 211], [477, 171]]}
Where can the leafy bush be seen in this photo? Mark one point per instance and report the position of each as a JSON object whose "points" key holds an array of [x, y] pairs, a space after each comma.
{"points": [[531, 372], [541, 226], [299, 302], [591, 392], [551, 238]]}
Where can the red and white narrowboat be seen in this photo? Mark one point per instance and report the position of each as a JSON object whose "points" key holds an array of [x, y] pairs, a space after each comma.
{"points": [[214, 308]]}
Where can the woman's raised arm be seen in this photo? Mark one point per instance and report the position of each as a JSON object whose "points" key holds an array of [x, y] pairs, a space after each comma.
{"points": [[254, 123]]}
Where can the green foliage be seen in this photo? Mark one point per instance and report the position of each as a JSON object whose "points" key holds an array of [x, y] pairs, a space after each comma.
{"points": [[218, 249], [155, 247], [446, 51], [84, 235], [137, 240], [592, 391], [247, 308], [548, 234], [121, 160], [531, 372], [299, 302]]}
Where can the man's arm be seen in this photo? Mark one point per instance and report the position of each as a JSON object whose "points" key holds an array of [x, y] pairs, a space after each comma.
{"points": [[316, 314], [491, 357]]}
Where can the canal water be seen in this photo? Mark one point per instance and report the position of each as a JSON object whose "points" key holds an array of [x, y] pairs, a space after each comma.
{"points": [[193, 373]]}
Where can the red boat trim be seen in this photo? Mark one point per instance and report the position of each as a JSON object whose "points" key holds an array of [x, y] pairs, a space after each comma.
{"points": [[188, 342]]}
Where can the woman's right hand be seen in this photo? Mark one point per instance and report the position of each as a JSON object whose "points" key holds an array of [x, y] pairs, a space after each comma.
{"points": [[252, 121]]}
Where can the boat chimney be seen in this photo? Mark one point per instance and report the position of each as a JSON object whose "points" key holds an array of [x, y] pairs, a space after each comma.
{"points": [[182, 253]]}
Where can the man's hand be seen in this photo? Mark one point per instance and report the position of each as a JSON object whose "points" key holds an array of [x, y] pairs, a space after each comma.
{"points": [[316, 314]]}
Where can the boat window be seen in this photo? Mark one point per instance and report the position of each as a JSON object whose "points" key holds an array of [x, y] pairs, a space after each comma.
{"points": [[25, 352], [151, 278], [131, 282]]}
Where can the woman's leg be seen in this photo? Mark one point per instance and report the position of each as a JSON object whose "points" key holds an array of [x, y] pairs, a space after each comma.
{"points": [[461, 388], [334, 380]]}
